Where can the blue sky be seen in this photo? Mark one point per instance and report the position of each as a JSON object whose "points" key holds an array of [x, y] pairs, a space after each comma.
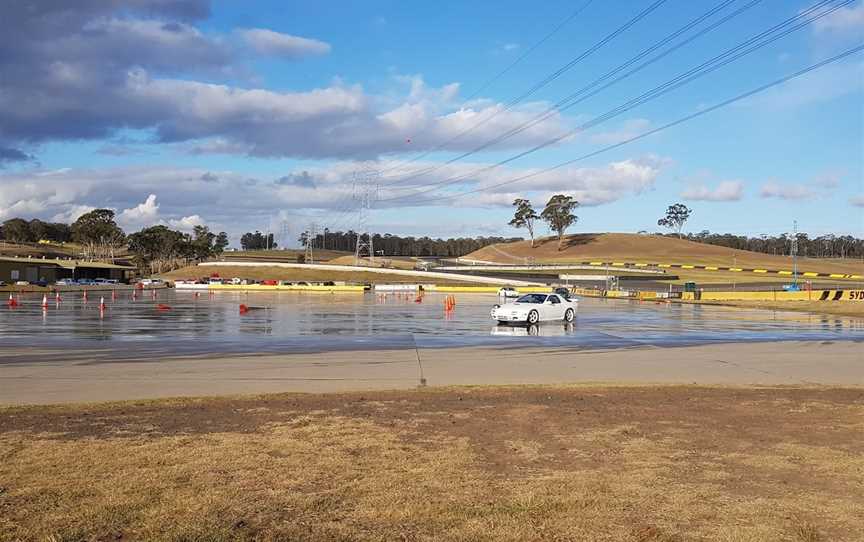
{"points": [[245, 115]]}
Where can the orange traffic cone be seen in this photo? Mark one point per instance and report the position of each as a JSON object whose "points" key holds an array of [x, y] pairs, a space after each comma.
{"points": [[57, 297], [85, 296], [44, 302], [101, 303]]}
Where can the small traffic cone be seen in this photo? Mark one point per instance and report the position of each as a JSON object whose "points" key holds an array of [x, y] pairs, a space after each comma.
{"points": [[57, 297], [243, 309], [113, 295], [85, 296], [11, 301], [101, 303], [44, 302]]}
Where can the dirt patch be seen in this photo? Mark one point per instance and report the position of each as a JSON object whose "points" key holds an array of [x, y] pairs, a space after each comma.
{"points": [[525, 463]]}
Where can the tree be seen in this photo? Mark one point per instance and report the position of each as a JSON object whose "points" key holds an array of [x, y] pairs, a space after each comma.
{"points": [[257, 241], [676, 217], [17, 230], [559, 214], [221, 242], [524, 217], [98, 233], [202, 242], [158, 249]]}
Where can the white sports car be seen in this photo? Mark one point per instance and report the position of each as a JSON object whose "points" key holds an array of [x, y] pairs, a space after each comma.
{"points": [[533, 308]]}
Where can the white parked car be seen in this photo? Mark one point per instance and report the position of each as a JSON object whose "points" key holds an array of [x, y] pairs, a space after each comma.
{"points": [[507, 291], [533, 308]]}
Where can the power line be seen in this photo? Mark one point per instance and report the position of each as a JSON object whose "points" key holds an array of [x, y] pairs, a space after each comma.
{"points": [[571, 100], [703, 69], [681, 120], [489, 82], [551, 77]]}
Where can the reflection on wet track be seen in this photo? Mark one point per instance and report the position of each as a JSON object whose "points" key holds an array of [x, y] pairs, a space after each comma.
{"points": [[290, 322]]}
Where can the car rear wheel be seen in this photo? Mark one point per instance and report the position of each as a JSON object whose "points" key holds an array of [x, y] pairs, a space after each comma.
{"points": [[569, 315], [533, 317]]}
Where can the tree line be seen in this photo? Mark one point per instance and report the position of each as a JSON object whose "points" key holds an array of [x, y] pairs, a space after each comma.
{"points": [[823, 246], [395, 245], [155, 249]]}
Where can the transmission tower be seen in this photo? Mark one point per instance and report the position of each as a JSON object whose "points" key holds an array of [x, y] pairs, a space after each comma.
{"points": [[794, 252], [310, 241], [366, 183]]}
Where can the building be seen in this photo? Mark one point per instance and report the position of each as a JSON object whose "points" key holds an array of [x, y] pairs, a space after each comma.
{"points": [[13, 269]]}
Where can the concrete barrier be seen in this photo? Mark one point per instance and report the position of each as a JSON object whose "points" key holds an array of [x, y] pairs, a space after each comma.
{"points": [[811, 295], [286, 288]]}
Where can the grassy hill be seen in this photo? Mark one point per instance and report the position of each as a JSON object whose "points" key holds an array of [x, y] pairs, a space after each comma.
{"points": [[626, 247]]}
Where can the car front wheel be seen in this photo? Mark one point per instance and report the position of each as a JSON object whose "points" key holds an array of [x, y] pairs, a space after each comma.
{"points": [[533, 317], [569, 315]]}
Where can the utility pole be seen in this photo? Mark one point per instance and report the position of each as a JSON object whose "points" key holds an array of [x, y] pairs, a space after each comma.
{"points": [[794, 252], [366, 183], [310, 240]]}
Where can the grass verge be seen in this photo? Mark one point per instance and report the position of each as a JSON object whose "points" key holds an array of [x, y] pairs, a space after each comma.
{"points": [[551, 463]]}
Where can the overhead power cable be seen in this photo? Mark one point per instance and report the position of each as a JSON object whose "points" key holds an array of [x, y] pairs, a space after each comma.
{"points": [[489, 82], [748, 46], [686, 118], [549, 78], [574, 98]]}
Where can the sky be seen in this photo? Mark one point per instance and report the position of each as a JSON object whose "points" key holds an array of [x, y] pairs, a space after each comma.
{"points": [[273, 115]]}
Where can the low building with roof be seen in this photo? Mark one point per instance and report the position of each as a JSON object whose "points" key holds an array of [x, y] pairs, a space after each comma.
{"points": [[13, 269]]}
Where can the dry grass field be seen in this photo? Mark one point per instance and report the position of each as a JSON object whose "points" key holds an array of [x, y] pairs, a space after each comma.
{"points": [[635, 464], [626, 247]]}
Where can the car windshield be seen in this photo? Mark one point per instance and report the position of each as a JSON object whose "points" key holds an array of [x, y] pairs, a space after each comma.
{"points": [[532, 298]]}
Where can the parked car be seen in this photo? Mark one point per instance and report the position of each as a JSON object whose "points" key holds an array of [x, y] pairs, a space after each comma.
{"points": [[22, 283], [2, 283], [507, 291], [85, 282], [65, 282], [151, 282], [534, 308]]}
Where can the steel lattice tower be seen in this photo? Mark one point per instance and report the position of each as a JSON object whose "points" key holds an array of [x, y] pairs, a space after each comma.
{"points": [[366, 183], [310, 240]]}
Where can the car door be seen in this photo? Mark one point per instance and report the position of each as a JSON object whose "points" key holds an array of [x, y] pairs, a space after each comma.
{"points": [[554, 308]]}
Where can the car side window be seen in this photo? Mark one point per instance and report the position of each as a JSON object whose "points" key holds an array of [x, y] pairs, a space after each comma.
{"points": [[554, 299]]}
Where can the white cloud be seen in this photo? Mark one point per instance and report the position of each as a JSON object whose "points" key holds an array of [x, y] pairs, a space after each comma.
{"points": [[857, 201], [724, 191], [142, 215], [844, 20], [187, 223], [787, 191], [71, 213], [149, 195], [268, 42]]}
